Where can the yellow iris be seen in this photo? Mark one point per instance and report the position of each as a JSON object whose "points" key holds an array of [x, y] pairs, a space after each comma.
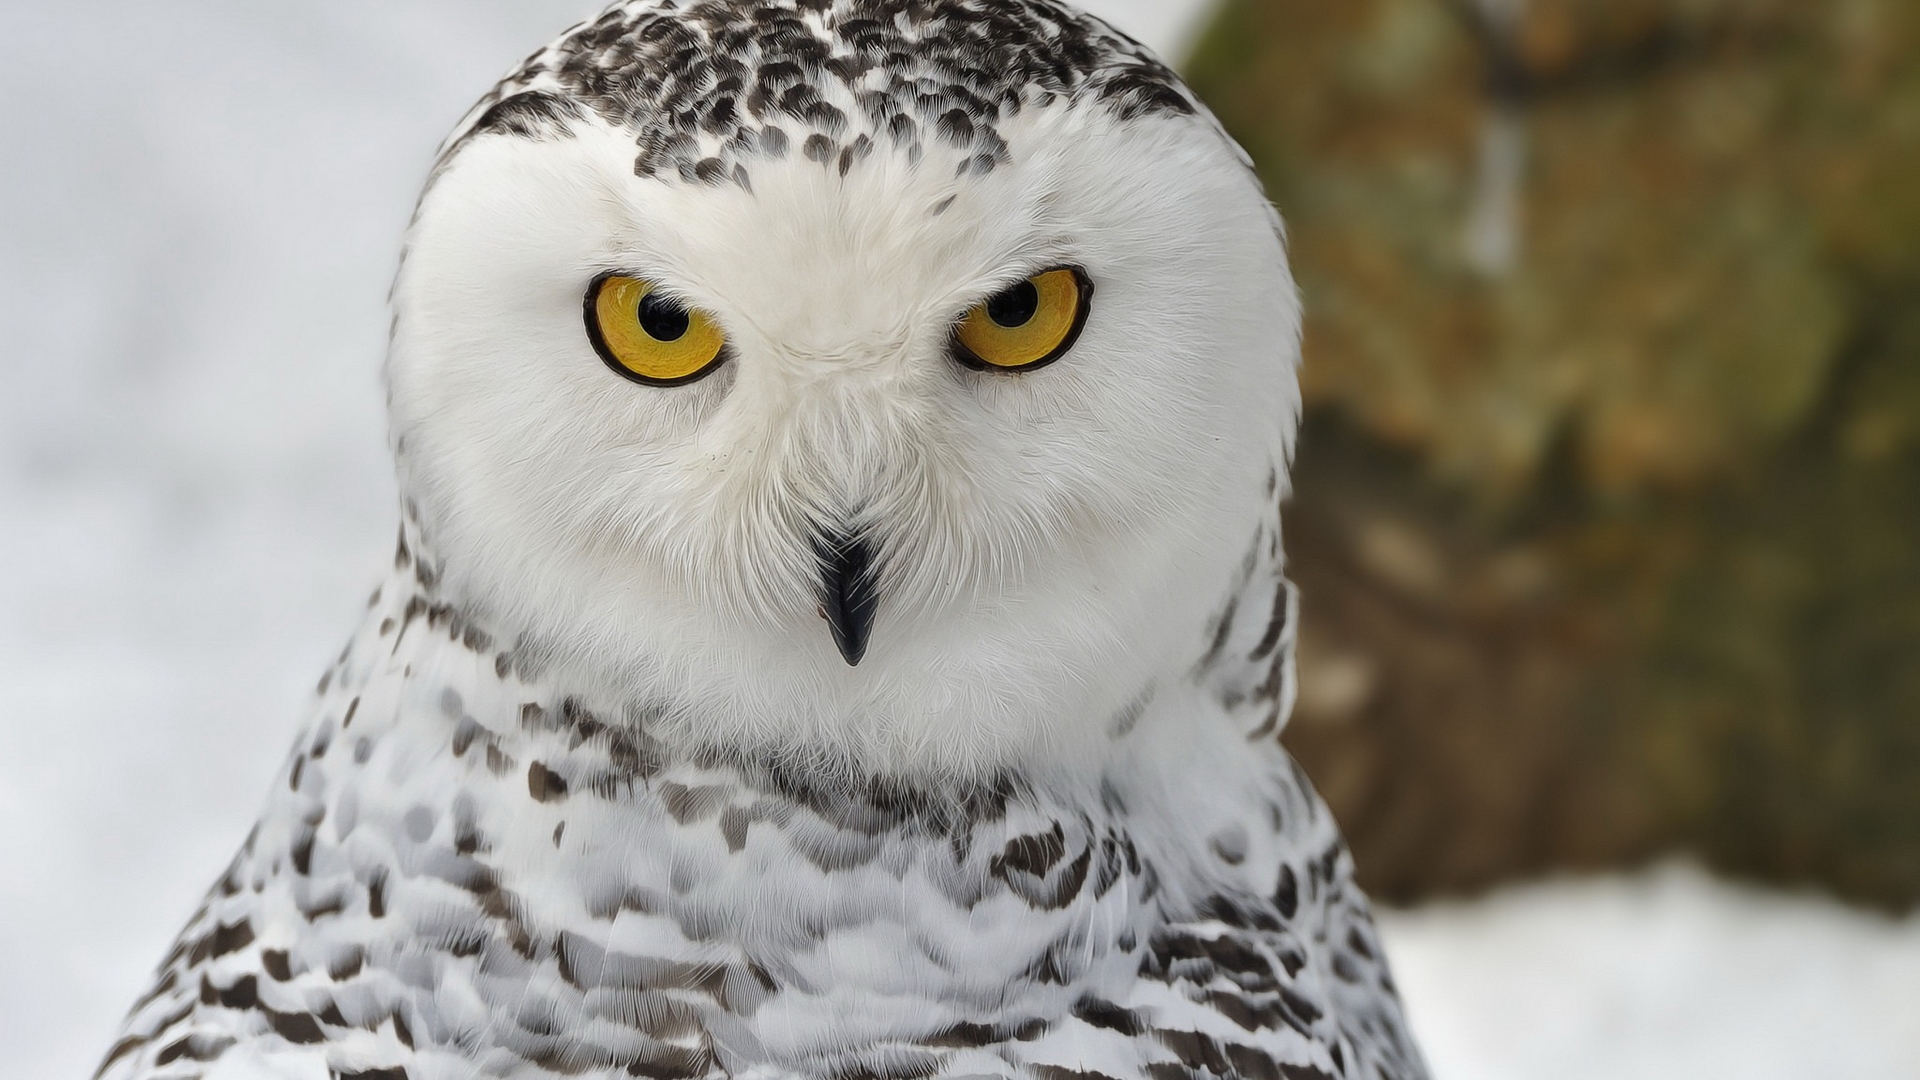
{"points": [[647, 336], [1030, 323]]}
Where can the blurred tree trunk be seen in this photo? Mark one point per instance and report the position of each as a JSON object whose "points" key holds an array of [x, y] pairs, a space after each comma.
{"points": [[1453, 704], [1608, 510]]}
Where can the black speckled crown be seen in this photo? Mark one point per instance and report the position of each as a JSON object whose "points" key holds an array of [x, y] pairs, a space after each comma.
{"points": [[711, 85]]}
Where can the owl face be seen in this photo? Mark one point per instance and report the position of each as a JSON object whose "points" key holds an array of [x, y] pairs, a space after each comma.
{"points": [[885, 454]]}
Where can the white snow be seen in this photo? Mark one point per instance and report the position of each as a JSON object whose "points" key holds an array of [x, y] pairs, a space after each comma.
{"points": [[200, 205], [1664, 975]]}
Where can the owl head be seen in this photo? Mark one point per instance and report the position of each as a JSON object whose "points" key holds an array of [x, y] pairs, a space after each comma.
{"points": [[900, 380]]}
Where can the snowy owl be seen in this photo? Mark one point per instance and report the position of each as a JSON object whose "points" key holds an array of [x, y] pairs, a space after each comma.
{"points": [[838, 627]]}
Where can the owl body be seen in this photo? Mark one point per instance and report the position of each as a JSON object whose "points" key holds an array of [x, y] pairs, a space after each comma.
{"points": [[838, 628], [464, 871]]}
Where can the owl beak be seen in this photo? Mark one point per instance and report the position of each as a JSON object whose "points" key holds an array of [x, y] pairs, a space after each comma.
{"points": [[849, 593]]}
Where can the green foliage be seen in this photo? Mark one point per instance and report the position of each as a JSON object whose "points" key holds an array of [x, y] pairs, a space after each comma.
{"points": [[1637, 283]]}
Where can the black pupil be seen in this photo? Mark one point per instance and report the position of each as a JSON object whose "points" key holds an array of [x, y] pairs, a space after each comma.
{"points": [[1015, 306], [662, 319]]}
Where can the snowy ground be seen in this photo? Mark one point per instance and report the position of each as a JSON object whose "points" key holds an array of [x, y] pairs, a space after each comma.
{"points": [[199, 209], [1665, 975]]}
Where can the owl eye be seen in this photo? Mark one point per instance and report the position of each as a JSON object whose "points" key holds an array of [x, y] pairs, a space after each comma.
{"points": [[1026, 325], [647, 336]]}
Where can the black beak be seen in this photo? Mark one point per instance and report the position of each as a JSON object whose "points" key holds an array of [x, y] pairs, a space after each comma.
{"points": [[848, 593]]}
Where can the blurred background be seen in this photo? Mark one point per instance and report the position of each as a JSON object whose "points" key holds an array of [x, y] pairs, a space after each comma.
{"points": [[1607, 512]]}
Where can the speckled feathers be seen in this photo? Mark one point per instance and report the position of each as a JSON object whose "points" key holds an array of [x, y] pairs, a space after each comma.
{"points": [[592, 792], [709, 86]]}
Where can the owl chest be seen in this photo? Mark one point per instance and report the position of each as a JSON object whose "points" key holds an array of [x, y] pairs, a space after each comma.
{"points": [[539, 894]]}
